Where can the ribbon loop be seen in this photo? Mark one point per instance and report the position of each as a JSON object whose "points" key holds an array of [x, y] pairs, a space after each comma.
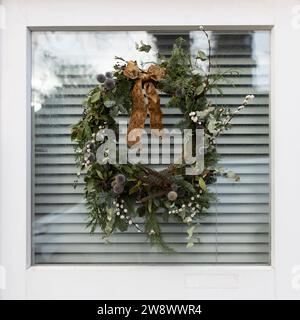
{"points": [[144, 81]]}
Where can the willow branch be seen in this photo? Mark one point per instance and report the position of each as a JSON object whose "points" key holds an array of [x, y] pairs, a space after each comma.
{"points": [[154, 195]]}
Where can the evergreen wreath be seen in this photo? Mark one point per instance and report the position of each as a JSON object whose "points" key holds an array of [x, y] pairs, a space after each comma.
{"points": [[117, 193]]}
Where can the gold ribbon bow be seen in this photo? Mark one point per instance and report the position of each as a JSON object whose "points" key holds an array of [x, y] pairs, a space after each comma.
{"points": [[144, 80]]}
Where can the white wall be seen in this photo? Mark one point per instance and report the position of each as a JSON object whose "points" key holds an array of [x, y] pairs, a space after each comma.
{"points": [[142, 282]]}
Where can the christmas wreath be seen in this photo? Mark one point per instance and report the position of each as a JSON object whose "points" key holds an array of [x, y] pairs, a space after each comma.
{"points": [[116, 194]]}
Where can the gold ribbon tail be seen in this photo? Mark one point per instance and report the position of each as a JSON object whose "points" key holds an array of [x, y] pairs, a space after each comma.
{"points": [[138, 115], [139, 106], [154, 108]]}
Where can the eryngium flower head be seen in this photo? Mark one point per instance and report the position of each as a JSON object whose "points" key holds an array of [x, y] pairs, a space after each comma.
{"points": [[118, 188], [109, 84], [120, 178], [108, 74], [101, 78]]}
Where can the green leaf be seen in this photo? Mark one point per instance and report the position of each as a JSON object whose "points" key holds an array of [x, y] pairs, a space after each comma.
{"points": [[201, 55], [90, 185], [211, 127], [109, 103], [149, 206], [202, 183], [187, 186], [135, 188], [102, 197], [85, 103], [230, 174], [199, 90], [190, 244], [156, 202], [114, 111], [99, 173], [203, 114], [95, 97], [220, 91], [167, 204], [122, 225], [131, 205], [121, 108], [233, 175], [140, 211], [87, 131], [128, 170], [190, 231], [182, 214]]}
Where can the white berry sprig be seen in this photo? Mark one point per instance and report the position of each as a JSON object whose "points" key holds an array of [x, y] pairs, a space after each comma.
{"points": [[187, 211], [122, 212], [194, 117]]}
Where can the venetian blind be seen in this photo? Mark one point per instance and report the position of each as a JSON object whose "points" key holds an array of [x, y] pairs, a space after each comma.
{"points": [[236, 230]]}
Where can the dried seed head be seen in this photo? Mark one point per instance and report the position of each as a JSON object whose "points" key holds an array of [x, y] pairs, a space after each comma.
{"points": [[101, 78], [120, 178], [172, 195]]}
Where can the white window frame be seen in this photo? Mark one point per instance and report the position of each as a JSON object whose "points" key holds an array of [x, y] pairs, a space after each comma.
{"points": [[23, 281]]}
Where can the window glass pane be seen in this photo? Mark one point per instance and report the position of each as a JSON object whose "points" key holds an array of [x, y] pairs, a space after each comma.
{"points": [[234, 231]]}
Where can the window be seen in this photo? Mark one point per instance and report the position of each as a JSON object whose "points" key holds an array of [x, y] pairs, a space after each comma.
{"points": [[234, 231]]}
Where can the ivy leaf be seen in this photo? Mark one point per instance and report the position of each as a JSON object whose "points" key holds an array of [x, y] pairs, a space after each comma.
{"points": [[202, 183], [109, 103], [95, 97], [142, 47], [201, 55], [113, 112]]}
